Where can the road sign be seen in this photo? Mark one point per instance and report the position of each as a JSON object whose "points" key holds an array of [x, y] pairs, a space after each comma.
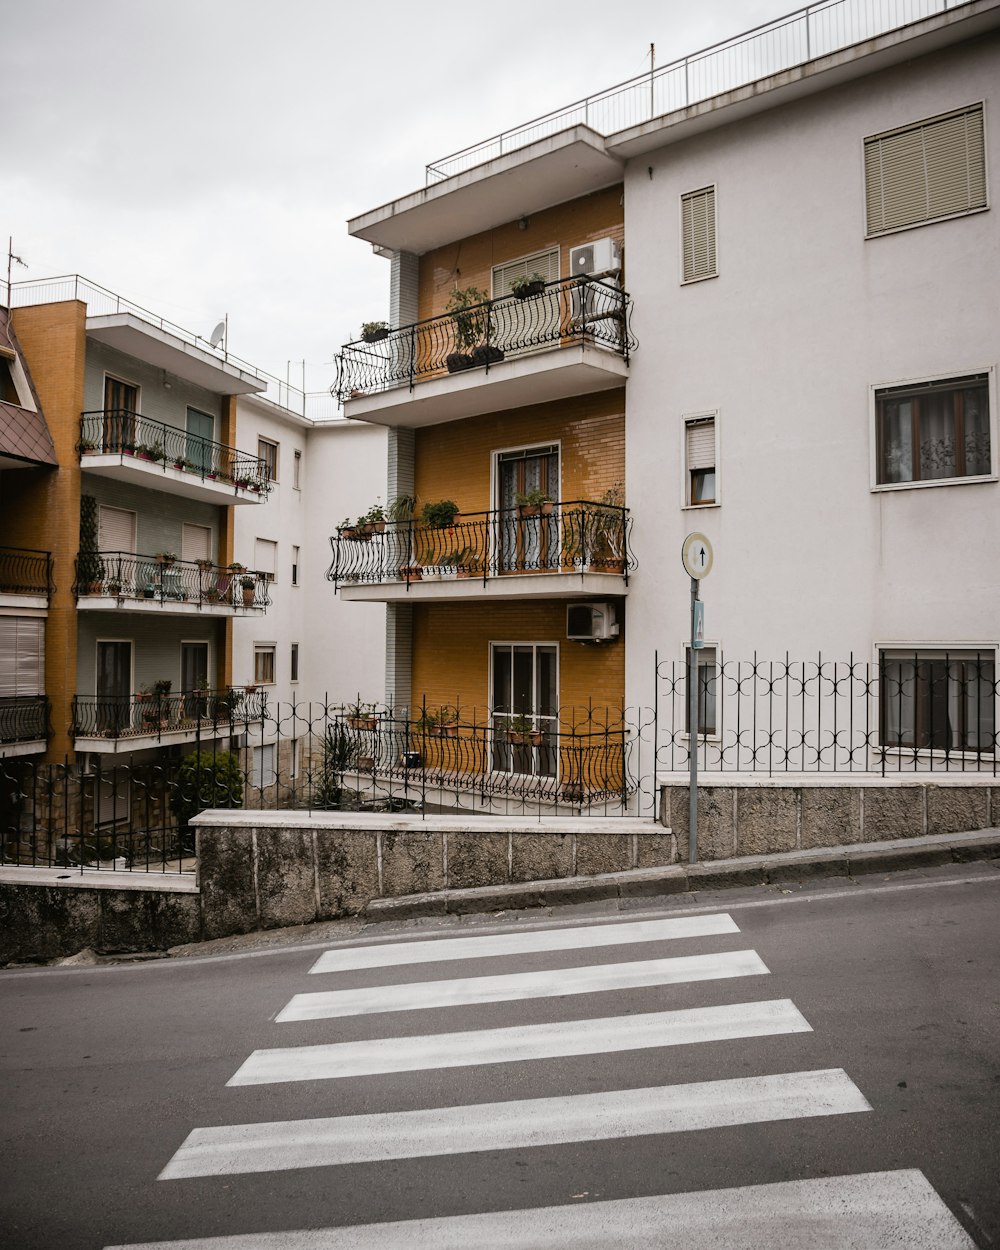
{"points": [[697, 556]]}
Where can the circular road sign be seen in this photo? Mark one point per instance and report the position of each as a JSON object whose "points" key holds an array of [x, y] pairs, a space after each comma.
{"points": [[697, 556]]}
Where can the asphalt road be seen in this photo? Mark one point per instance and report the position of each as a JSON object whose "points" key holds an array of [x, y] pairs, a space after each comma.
{"points": [[872, 1048]]}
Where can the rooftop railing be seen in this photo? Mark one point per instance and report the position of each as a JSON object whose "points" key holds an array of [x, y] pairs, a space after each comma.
{"points": [[575, 536], [124, 575], [25, 571], [801, 36], [570, 310], [24, 718], [121, 432]]}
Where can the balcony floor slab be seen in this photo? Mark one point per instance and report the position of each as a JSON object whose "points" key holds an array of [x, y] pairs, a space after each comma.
{"points": [[471, 590], [165, 607], [151, 475]]}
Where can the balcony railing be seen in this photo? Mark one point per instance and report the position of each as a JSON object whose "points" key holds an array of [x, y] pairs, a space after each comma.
{"points": [[149, 714], [24, 718], [198, 583], [577, 536], [571, 310], [25, 571], [121, 432]]}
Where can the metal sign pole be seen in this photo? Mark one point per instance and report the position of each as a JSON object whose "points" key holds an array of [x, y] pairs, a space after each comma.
{"points": [[693, 728]]}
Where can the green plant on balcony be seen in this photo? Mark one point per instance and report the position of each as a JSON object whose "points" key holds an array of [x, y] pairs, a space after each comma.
{"points": [[372, 521], [605, 531], [521, 731], [361, 715], [400, 510], [375, 331], [533, 502], [528, 285], [439, 515], [469, 310], [166, 557], [426, 722]]}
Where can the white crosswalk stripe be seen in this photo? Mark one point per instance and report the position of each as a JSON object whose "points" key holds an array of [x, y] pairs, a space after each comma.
{"points": [[555, 983], [505, 1125], [518, 1043], [870, 1211], [387, 955], [867, 1211]]}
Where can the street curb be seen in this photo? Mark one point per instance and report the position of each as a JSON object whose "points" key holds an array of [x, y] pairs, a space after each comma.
{"points": [[842, 861]]}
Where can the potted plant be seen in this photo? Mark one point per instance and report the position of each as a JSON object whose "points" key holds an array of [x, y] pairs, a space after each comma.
{"points": [[375, 331], [439, 515], [347, 529], [470, 319], [426, 723], [447, 722], [606, 532], [161, 686], [530, 284], [400, 510], [156, 452], [114, 587], [361, 715], [166, 557], [249, 587], [372, 521], [467, 563], [411, 572], [236, 567], [181, 462], [534, 503], [521, 731]]}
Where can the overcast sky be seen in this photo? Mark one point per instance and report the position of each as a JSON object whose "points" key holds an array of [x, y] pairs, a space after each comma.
{"points": [[201, 157]]}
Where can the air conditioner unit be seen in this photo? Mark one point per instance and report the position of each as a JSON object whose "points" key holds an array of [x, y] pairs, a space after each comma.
{"points": [[591, 622], [601, 256]]}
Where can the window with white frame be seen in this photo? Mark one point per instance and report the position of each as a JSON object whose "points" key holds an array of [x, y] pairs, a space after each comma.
{"points": [[268, 452], [262, 770], [925, 171], [507, 275], [294, 662], [698, 235], [263, 665], [700, 455], [265, 556], [707, 679], [933, 431], [22, 656], [938, 699]]}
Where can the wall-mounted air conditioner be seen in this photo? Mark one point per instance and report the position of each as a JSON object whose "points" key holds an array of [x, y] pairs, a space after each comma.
{"points": [[590, 259], [591, 622]]}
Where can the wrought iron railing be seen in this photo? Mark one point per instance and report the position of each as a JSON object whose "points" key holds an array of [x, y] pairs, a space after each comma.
{"points": [[913, 711], [125, 575], [121, 432], [571, 310], [25, 571], [24, 718], [151, 713], [577, 536], [810, 32]]}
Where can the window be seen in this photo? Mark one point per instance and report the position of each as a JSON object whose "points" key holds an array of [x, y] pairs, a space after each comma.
{"points": [[22, 656], [262, 772], [121, 408], [933, 431], [263, 666], [527, 542], [525, 698], [923, 172], [698, 234], [115, 529], [707, 682], [265, 555], [293, 770], [297, 470], [546, 263], [268, 452], [938, 700], [295, 566], [294, 675], [196, 542], [14, 388], [533, 323], [699, 460]]}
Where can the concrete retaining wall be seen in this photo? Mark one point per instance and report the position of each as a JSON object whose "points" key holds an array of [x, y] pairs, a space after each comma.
{"points": [[752, 816]]}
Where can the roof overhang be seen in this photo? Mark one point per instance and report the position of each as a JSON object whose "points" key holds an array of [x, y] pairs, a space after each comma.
{"points": [[550, 171], [128, 333]]}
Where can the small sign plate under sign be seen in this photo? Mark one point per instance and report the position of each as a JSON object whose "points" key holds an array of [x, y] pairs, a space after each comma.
{"points": [[697, 556]]}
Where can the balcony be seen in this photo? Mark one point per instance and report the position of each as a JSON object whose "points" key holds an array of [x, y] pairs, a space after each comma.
{"points": [[570, 338], [24, 724], [550, 551], [129, 447], [25, 578], [114, 581], [132, 722]]}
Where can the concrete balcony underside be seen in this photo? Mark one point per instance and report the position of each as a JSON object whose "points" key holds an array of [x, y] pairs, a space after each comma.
{"points": [[8, 750], [153, 476], [538, 378], [164, 607], [29, 605], [127, 742], [473, 590]]}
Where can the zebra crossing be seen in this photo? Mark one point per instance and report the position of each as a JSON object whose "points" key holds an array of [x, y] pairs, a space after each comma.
{"points": [[866, 1210]]}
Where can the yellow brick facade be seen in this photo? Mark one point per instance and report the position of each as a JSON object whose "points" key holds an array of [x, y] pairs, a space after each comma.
{"points": [[469, 262]]}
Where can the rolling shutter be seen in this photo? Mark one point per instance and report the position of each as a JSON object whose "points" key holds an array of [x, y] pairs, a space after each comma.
{"points": [[116, 530], [196, 542], [701, 444], [698, 233], [936, 168], [545, 263], [22, 656]]}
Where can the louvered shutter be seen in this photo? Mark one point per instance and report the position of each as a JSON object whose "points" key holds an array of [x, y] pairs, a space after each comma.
{"points": [[116, 530], [701, 444], [22, 656], [196, 542], [545, 263], [698, 233], [936, 168]]}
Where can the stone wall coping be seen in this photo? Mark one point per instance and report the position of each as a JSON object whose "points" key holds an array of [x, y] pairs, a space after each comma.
{"points": [[387, 822], [101, 879], [829, 781]]}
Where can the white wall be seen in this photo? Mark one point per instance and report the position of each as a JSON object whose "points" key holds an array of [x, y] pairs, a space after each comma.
{"points": [[805, 318], [341, 646]]}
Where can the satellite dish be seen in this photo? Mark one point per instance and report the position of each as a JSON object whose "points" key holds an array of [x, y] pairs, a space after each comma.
{"points": [[218, 334]]}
